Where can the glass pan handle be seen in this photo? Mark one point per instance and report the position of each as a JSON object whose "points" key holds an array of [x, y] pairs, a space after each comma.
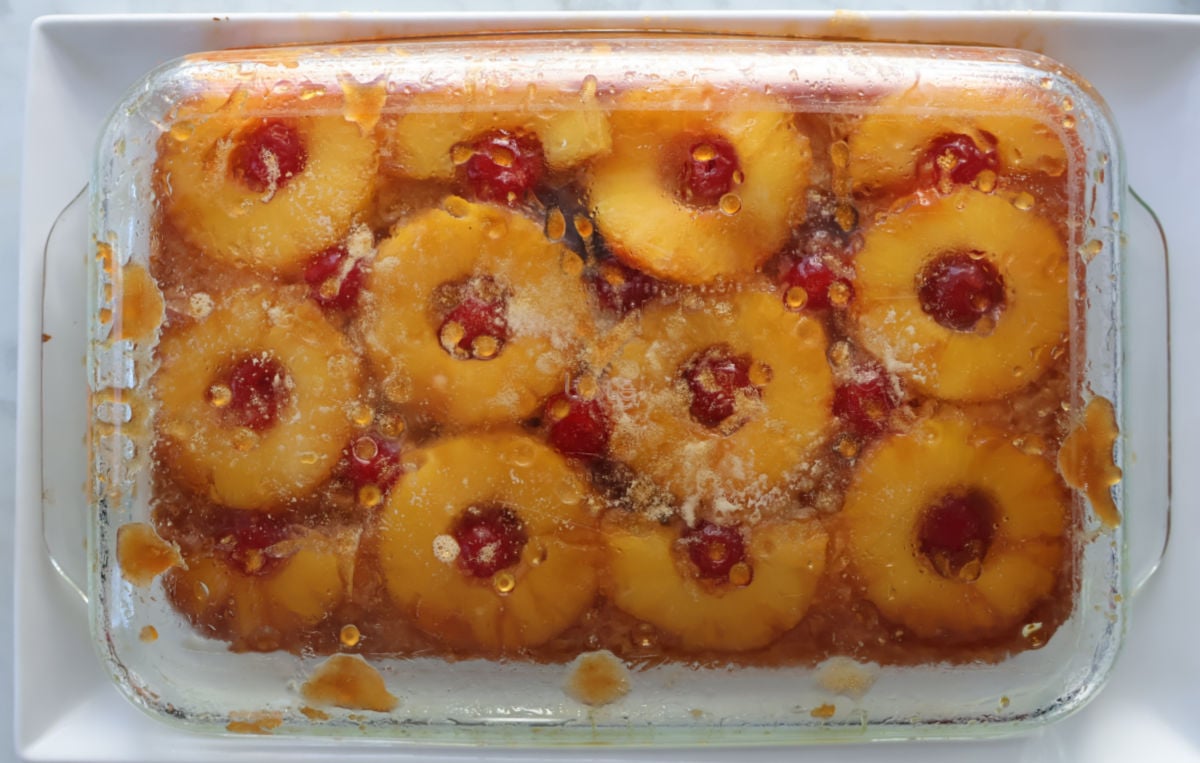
{"points": [[1147, 384], [64, 394]]}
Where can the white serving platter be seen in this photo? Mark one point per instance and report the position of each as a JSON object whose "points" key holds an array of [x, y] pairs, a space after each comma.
{"points": [[1148, 67]]}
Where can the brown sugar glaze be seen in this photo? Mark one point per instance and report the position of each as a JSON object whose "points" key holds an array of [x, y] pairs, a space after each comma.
{"points": [[840, 621]]}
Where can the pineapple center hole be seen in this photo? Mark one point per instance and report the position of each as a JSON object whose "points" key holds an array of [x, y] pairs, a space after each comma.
{"points": [[267, 155], [956, 532], [475, 318], [962, 291], [490, 538]]}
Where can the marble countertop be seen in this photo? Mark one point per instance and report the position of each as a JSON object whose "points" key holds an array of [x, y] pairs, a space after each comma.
{"points": [[15, 19]]}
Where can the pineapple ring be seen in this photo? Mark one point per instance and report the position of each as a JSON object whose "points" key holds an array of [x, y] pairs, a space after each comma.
{"points": [[652, 581], [547, 312], [526, 604], [888, 145], [235, 466], [963, 365], [899, 477], [303, 590], [571, 127], [277, 229], [638, 209], [653, 429]]}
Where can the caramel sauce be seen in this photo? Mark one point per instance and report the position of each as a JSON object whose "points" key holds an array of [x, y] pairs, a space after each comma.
{"points": [[363, 104], [597, 678], [824, 712], [105, 256], [841, 675], [314, 714], [142, 555], [141, 309], [148, 634], [1086, 459], [254, 723], [348, 681]]}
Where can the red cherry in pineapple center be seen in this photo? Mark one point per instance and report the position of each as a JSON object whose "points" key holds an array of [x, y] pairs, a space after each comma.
{"points": [[268, 155], [956, 532], [864, 404], [577, 427], [719, 382], [708, 171], [959, 159], [622, 289], [714, 549], [372, 459], [813, 274], [334, 283], [504, 166], [490, 538], [957, 289], [245, 538], [257, 392], [476, 327]]}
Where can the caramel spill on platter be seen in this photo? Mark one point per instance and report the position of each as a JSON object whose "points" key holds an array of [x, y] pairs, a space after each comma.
{"points": [[842, 675], [253, 723], [597, 678], [824, 712], [142, 555], [148, 634], [313, 714], [346, 680], [1086, 459]]}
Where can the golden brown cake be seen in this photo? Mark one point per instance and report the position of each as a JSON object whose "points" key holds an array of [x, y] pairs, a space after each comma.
{"points": [[676, 373]]}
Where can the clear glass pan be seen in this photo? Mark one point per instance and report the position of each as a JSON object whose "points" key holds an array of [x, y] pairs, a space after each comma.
{"points": [[198, 684]]}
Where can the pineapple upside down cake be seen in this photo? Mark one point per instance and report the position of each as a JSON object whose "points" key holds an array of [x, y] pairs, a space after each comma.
{"points": [[674, 373]]}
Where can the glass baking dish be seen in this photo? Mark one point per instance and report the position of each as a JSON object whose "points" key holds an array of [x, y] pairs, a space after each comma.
{"points": [[600, 106]]}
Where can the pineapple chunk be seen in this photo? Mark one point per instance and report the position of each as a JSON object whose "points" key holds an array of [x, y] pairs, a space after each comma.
{"points": [[890, 143], [277, 229], [653, 581], [635, 191]]}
